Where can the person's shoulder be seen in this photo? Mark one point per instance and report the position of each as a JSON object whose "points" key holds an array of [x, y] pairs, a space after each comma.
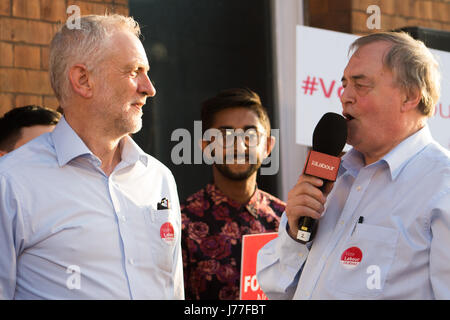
{"points": [[432, 168], [272, 198], [436, 171], [442, 153], [200, 194], [155, 162], [36, 152], [277, 205], [436, 157]]}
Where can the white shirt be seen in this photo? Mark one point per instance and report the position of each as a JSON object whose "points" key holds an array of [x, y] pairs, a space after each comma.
{"points": [[67, 231], [403, 241]]}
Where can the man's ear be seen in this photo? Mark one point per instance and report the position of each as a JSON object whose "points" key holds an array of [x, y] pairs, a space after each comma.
{"points": [[270, 143], [411, 99], [80, 80]]}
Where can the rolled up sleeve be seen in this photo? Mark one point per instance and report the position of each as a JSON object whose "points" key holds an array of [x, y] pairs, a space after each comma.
{"points": [[279, 263]]}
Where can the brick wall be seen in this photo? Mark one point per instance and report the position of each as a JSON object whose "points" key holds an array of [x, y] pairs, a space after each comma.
{"points": [[332, 14], [27, 26], [395, 14], [329, 14], [26, 29]]}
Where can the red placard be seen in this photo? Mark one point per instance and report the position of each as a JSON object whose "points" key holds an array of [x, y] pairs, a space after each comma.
{"points": [[251, 244]]}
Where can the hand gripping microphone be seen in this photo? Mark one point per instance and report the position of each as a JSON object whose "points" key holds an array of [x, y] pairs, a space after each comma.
{"points": [[329, 139]]}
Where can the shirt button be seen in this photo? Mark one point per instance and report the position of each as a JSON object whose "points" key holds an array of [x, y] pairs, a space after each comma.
{"points": [[341, 222], [358, 188], [300, 255], [123, 218], [131, 261]]}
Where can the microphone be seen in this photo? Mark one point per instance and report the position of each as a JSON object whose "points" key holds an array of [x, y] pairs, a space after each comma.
{"points": [[329, 139]]}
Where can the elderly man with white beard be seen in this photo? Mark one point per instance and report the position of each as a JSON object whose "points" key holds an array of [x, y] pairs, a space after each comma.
{"points": [[80, 208]]}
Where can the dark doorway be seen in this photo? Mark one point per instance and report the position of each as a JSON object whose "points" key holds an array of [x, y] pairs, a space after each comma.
{"points": [[197, 48]]}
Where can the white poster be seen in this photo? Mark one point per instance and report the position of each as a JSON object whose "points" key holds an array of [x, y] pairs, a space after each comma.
{"points": [[440, 122], [321, 59]]}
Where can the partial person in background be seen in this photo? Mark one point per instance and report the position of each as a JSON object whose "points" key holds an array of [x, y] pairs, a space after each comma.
{"points": [[216, 217], [84, 212], [383, 231], [22, 124]]}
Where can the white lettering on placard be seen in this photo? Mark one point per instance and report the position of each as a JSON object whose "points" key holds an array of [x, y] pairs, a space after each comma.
{"points": [[322, 165], [252, 282]]}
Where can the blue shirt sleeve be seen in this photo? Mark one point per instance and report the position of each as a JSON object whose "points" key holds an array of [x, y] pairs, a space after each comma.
{"points": [[11, 238], [279, 263], [439, 253]]}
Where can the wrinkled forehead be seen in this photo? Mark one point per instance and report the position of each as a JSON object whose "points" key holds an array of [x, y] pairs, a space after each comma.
{"points": [[126, 47]]}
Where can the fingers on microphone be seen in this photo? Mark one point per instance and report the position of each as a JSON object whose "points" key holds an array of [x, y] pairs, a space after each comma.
{"points": [[312, 180], [306, 199], [304, 205], [306, 188], [305, 212]]}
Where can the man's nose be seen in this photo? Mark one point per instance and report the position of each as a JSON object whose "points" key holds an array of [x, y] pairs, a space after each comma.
{"points": [[347, 96], [240, 145], [146, 86]]}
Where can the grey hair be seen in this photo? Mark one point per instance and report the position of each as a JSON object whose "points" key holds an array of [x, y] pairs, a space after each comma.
{"points": [[83, 45], [413, 65]]}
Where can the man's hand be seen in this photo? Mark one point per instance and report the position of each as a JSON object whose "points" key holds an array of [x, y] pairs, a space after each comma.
{"points": [[305, 199]]}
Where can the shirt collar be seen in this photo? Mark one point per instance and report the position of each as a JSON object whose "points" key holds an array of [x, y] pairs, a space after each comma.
{"points": [[131, 152], [351, 163], [217, 196], [68, 146], [396, 159]]}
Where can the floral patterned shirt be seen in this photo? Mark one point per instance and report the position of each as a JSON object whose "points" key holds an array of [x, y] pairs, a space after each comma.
{"points": [[212, 230]]}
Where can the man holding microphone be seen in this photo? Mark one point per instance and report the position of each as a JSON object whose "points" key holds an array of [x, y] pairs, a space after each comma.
{"points": [[383, 226]]}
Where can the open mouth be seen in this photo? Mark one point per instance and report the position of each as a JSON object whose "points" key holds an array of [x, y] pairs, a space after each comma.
{"points": [[348, 116]]}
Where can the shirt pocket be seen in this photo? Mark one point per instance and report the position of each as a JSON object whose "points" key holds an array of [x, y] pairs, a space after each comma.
{"points": [[362, 265], [163, 243]]}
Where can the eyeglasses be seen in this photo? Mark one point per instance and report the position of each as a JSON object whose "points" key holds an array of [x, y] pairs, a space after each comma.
{"points": [[251, 137]]}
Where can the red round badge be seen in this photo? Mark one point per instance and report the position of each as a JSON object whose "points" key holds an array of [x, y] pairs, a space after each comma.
{"points": [[351, 257], [167, 233]]}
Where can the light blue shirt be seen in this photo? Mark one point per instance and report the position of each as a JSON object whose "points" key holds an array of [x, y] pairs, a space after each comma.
{"points": [[402, 246], [68, 231]]}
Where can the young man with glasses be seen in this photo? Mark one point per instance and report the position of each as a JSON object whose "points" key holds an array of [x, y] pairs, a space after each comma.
{"points": [[216, 217]]}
